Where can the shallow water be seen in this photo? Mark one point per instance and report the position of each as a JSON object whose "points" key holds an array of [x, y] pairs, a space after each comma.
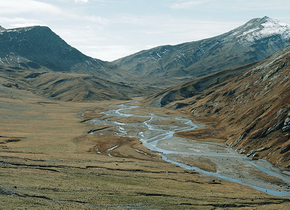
{"points": [[161, 139]]}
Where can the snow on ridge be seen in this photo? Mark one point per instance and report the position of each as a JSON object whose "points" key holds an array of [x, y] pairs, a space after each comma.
{"points": [[272, 27], [11, 30], [269, 28], [274, 23], [249, 31]]}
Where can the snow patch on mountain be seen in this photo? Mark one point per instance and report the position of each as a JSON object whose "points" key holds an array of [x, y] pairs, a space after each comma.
{"points": [[272, 27], [269, 28]]}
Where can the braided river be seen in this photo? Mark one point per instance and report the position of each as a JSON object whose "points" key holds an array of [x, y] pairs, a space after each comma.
{"points": [[229, 165]]}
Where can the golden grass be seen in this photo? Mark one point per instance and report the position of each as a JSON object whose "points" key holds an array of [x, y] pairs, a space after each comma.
{"points": [[168, 122], [205, 164], [206, 135], [42, 127]]}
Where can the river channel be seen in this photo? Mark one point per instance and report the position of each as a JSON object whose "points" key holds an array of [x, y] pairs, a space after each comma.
{"points": [[230, 165]]}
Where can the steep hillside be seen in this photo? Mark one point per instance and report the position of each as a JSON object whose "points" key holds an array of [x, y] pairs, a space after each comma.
{"points": [[250, 110], [251, 42], [200, 87]]}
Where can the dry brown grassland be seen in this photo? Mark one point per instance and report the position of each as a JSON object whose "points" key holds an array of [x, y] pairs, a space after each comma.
{"points": [[48, 160]]}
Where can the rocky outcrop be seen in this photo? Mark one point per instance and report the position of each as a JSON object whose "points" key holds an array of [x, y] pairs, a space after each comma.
{"points": [[286, 126]]}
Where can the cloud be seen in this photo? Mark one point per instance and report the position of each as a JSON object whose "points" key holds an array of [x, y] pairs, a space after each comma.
{"points": [[95, 19], [188, 4], [19, 22], [258, 5], [26, 6], [109, 52], [81, 1], [142, 32]]}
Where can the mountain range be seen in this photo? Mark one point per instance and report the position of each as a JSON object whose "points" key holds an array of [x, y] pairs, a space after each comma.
{"points": [[38, 60], [251, 42]]}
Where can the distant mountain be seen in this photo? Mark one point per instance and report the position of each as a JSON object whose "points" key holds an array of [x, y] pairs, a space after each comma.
{"points": [[249, 107], [39, 47], [251, 42]]}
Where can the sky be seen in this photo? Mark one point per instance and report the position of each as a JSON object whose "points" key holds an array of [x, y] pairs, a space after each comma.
{"points": [[111, 29]]}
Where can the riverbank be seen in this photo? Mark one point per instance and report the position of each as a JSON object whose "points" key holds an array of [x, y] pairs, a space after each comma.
{"points": [[44, 166], [260, 173]]}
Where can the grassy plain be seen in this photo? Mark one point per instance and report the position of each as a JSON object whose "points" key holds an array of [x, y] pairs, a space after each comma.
{"points": [[48, 160]]}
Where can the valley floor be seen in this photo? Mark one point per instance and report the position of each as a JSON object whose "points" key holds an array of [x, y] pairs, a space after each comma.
{"points": [[49, 160]]}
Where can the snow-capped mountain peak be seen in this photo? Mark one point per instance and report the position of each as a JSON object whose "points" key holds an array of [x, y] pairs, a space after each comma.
{"points": [[272, 26], [260, 28]]}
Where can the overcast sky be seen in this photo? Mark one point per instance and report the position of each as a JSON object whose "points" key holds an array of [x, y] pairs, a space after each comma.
{"points": [[111, 29]]}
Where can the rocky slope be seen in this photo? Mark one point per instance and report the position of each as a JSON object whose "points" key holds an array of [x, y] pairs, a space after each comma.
{"points": [[248, 108], [251, 42]]}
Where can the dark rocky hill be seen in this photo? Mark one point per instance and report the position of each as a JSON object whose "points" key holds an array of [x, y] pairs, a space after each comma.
{"points": [[251, 42], [248, 107]]}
